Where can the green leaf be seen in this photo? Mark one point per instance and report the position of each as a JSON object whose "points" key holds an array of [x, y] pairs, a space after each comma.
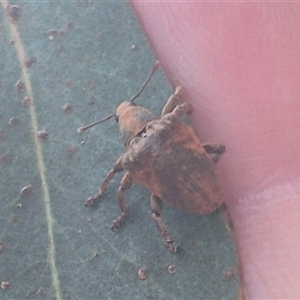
{"points": [[82, 53]]}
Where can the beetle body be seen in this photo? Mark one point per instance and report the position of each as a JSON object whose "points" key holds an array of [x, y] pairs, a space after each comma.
{"points": [[165, 156], [168, 159]]}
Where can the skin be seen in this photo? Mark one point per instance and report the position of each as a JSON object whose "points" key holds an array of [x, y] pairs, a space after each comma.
{"points": [[239, 65]]}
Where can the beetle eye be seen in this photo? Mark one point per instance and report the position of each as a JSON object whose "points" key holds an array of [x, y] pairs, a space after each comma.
{"points": [[116, 118]]}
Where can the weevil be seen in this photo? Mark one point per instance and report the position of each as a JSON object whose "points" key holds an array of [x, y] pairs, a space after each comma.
{"points": [[165, 156]]}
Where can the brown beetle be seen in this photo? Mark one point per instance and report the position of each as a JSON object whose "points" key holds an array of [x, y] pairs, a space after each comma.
{"points": [[165, 156]]}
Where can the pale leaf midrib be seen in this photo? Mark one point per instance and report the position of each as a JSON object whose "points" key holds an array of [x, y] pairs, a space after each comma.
{"points": [[38, 148]]}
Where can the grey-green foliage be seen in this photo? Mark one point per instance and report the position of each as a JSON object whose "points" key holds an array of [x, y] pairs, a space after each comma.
{"points": [[50, 239]]}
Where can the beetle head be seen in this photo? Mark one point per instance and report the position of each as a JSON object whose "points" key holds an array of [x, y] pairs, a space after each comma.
{"points": [[130, 117]]}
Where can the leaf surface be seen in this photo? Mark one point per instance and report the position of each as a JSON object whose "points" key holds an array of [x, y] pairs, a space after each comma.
{"points": [[91, 55]]}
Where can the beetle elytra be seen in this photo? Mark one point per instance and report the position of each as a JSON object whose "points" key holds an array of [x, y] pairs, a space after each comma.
{"points": [[165, 156]]}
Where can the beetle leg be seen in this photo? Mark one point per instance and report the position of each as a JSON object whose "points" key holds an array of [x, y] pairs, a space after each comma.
{"points": [[104, 186], [172, 105], [182, 109], [216, 149], [172, 102], [125, 184], [227, 218], [156, 206]]}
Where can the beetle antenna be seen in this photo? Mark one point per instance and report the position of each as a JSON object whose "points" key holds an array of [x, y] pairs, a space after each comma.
{"points": [[84, 128], [155, 67]]}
